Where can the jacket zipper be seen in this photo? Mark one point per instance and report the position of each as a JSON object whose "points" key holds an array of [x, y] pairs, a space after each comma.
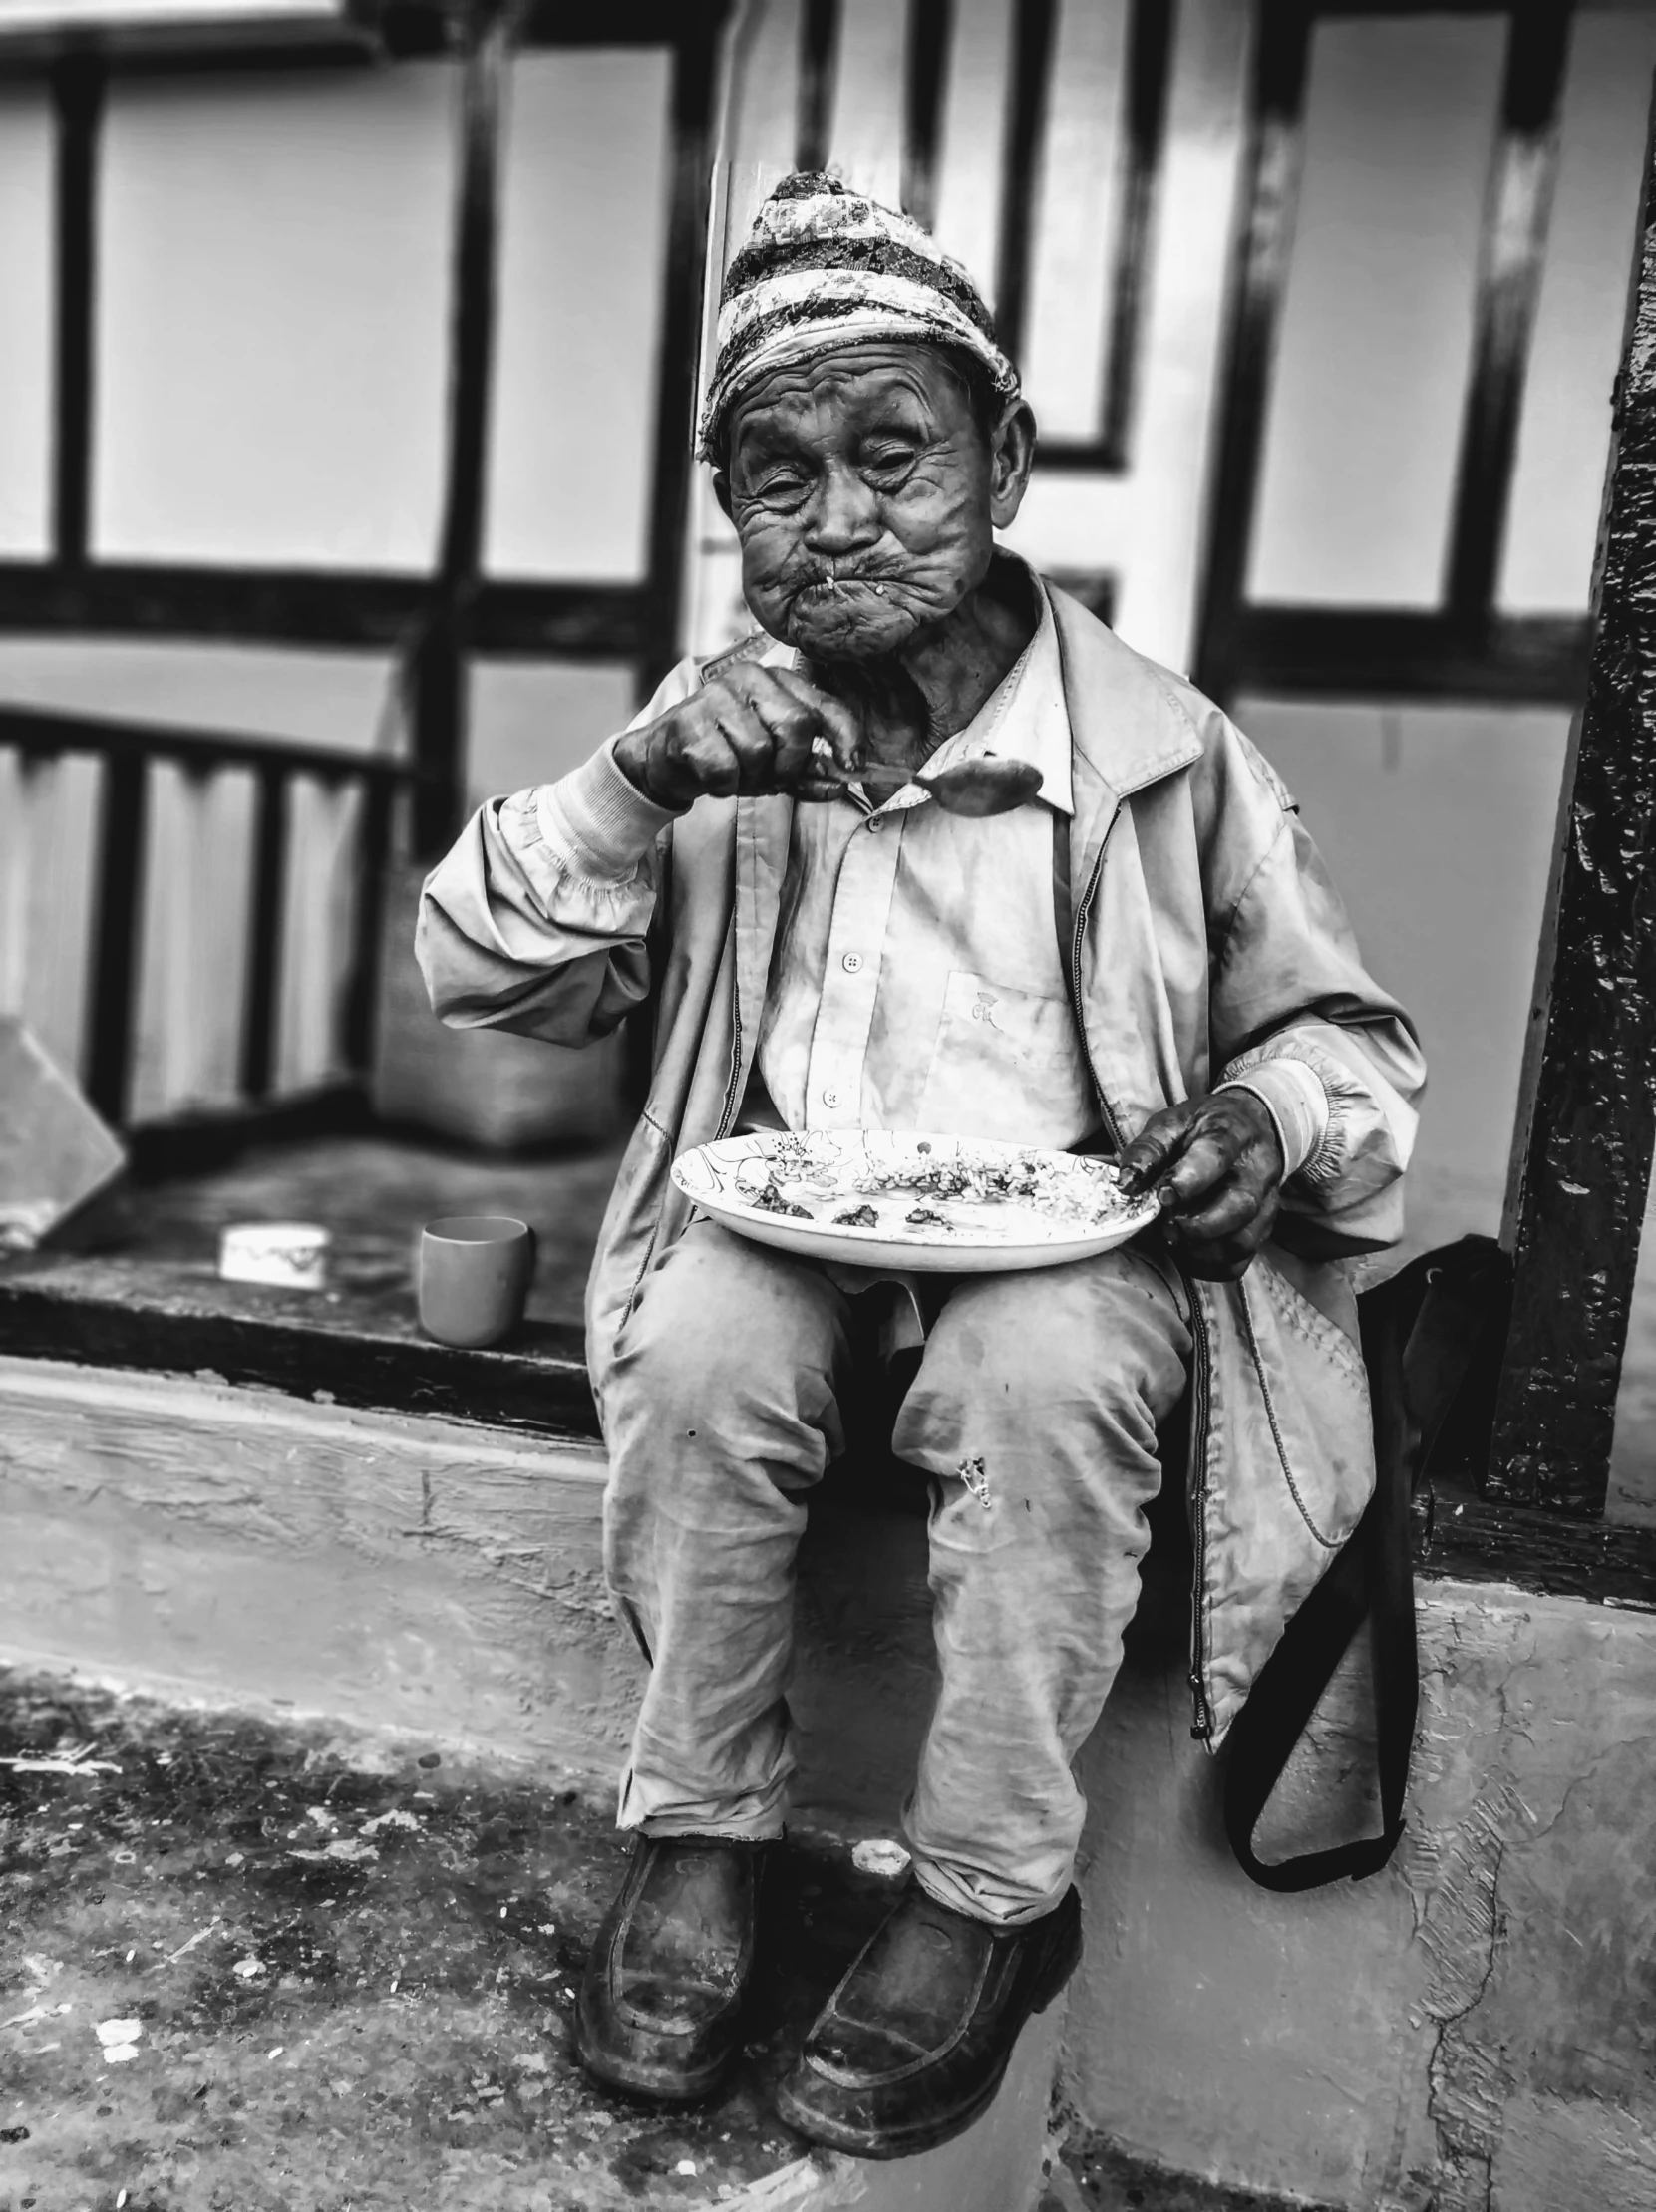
{"points": [[1201, 1726], [1112, 1127], [728, 1111]]}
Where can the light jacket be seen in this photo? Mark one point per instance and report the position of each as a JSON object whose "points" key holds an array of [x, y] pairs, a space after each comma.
{"points": [[1207, 938]]}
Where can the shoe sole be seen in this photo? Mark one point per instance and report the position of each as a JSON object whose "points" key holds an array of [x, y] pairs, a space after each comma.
{"points": [[641, 2088], [909, 2142]]}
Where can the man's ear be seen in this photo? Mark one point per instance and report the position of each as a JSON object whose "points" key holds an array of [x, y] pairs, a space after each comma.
{"points": [[721, 492], [1011, 458]]}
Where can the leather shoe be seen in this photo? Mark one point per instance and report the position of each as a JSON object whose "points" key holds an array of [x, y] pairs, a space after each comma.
{"points": [[660, 2010], [912, 2045]]}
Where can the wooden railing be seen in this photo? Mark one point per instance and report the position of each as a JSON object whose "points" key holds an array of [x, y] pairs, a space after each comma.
{"points": [[127, 751]]}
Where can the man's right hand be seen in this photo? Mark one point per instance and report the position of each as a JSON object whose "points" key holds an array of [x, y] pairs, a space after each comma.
{"points": [[750, 731]]}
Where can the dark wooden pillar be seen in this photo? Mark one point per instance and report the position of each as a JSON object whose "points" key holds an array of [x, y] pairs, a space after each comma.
{"points": [[78, 96], [1590, 1093]]}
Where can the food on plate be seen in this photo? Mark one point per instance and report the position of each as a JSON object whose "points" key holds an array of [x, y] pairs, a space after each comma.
{"points": [[957, 1186], [941, 1204], [771, 1201]]}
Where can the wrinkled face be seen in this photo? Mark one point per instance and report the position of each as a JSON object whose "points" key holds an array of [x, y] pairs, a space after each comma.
{"points": [[865, 495]]}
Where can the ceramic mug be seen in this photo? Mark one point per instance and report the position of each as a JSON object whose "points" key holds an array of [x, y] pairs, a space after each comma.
{"points": [[475, 1271]]}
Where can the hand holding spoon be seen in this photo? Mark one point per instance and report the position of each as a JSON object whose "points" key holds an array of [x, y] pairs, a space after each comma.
{"points": [[978, 786]]}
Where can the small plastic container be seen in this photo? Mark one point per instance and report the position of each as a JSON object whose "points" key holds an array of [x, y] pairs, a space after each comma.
{"points": [[291, 1255]]}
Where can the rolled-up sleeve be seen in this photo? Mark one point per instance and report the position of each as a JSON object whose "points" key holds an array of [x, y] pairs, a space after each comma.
{"points": [[537, 919]]}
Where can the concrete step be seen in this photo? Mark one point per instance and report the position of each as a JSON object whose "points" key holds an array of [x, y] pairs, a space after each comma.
{"points": [[180, 1534]]}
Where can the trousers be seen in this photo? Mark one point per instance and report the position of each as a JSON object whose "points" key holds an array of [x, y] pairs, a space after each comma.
{"points": [[1033, 1410]]}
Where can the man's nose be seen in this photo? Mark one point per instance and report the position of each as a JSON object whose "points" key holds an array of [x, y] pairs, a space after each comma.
{"points": [[844, 516]]}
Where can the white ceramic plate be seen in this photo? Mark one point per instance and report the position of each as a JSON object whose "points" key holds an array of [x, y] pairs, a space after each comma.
{"points": [[983, 1207]]}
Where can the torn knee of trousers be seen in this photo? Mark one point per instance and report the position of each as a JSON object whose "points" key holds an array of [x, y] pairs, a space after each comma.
{"points": [[976, 1479]]}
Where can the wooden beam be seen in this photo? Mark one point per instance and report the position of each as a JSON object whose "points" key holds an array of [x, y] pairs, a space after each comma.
{"points": [[1479, 1539], [362, 990], [1149, 71], [261, 999], [1592, 1114], [50, 730], [77, 97], [1366, 653], [315, 607], [118, 881], [1509, 286], [927, 64], [694, 72], [1035, 27], [818, 52], [1272, 194]]}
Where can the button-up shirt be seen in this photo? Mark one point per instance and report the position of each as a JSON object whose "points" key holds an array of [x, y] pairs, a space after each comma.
{"points": [[916, 981]]}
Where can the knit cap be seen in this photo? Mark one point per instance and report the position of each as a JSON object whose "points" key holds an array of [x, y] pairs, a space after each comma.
{"points": [[824, 268]]}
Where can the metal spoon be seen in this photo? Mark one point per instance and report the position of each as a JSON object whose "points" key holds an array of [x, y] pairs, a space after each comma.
{"points": [[977, 786]]}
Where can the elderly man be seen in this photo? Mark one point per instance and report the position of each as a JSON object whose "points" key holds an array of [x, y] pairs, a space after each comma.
{"points": [[1146, 959]]}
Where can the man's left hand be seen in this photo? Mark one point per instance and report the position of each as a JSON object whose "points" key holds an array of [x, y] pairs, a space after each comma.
{"points": [[1216, 1164]]}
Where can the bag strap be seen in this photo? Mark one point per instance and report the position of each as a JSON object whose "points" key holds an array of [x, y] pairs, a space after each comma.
{"points": [[1420, 1331]]}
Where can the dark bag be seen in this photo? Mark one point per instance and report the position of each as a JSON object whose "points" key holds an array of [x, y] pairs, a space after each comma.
{"points": [[1426, 1332]]}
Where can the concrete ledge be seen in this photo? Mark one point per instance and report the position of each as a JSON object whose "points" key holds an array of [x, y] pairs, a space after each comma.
{"points": [[179, 1534], [383, 1569]]}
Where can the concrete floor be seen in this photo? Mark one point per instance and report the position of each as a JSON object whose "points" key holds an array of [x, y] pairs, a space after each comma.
{"points": [[258, 1968], [348, 1967]]}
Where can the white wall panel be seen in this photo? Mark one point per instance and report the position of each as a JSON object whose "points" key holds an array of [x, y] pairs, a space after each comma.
{"points": [[27, 146], [1363, 424], [866, 122], [1147, 526], [971, 155], [273, 328], [1437, 824], [577, 352], [193, 941], [1077, 217], [761, 120], [759, 123], [534, 721], [1565, 425], [49, 819], [318, 932]]}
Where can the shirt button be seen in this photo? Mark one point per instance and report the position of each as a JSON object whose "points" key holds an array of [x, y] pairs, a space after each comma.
{"points": [[830, 1097], [852, 962], [873, 825]]}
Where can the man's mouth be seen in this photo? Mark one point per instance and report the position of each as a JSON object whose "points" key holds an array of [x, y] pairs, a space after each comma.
{"points": [[828, 588]]}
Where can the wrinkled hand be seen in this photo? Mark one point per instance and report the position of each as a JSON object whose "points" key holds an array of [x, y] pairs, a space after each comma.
{"points": [[1215, 1165], [750, 731]]}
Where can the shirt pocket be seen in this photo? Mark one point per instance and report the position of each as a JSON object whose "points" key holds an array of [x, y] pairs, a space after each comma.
{"points": [[1006, 1063]]}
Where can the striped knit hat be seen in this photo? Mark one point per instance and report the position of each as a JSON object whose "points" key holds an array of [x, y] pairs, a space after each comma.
{"points": [[824, 268]]}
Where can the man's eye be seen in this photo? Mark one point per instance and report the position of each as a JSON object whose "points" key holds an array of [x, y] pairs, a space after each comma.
{"points": [[888, 461], [784, 488]]}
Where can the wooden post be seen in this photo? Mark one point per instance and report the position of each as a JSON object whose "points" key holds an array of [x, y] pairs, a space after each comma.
{"points": [[78, 93], [1588, 1120]]}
